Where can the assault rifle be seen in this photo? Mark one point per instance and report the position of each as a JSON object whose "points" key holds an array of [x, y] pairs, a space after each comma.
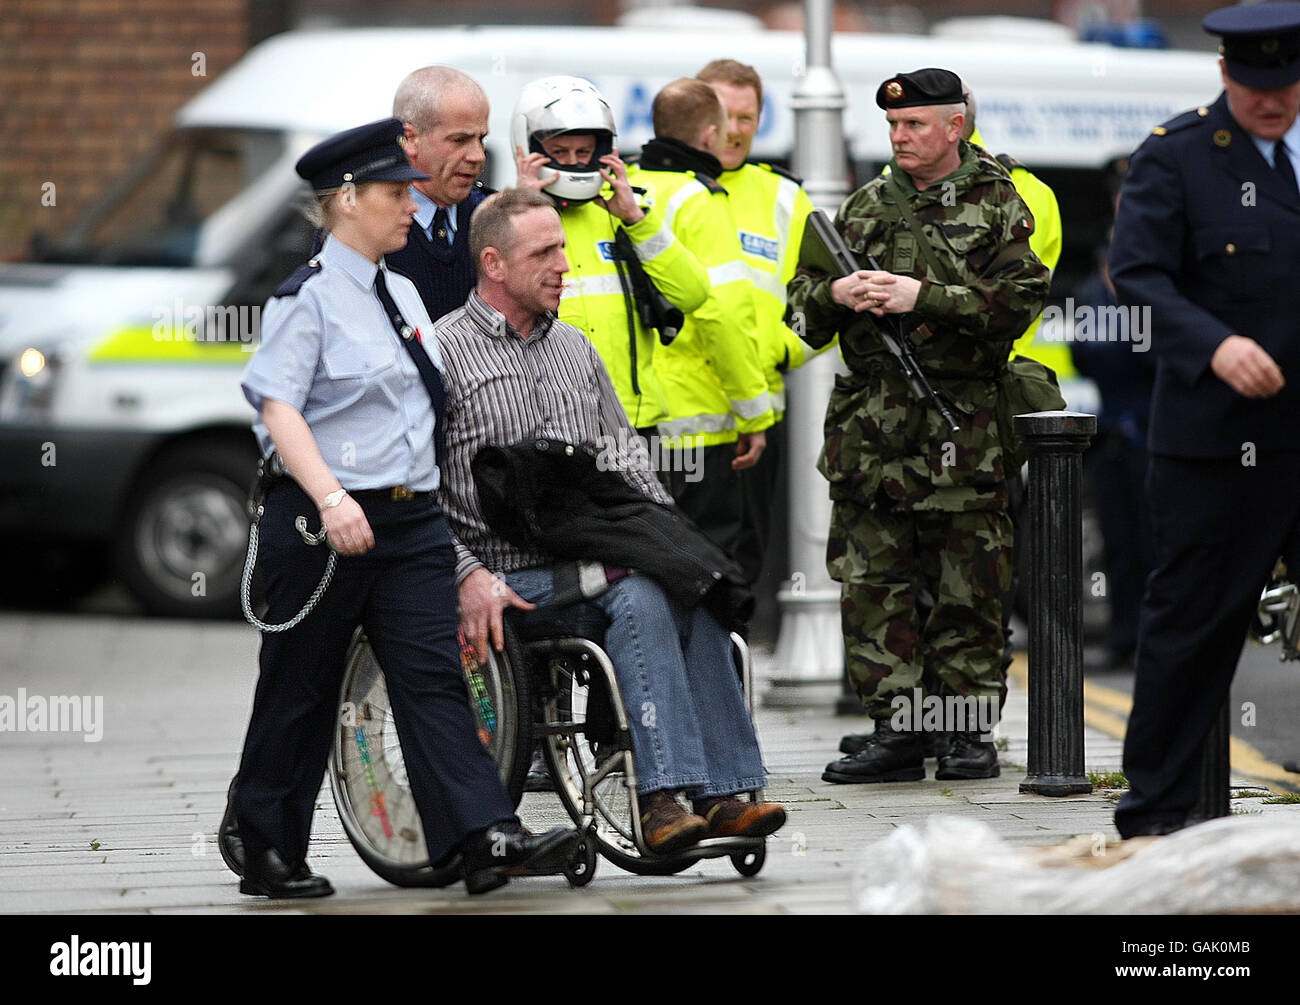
{"points": [[826, 250]]}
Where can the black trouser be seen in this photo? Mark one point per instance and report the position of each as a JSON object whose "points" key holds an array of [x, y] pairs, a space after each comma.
{"points": [[709, 494], [403, 593], [1118, 471], [758, 488], [1219, 527]]}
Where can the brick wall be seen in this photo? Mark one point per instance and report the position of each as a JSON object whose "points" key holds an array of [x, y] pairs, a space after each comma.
{"points": [[88, 86]]}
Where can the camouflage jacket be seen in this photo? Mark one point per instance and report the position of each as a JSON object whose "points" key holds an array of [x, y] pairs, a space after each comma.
{"points": [[884, 447]]}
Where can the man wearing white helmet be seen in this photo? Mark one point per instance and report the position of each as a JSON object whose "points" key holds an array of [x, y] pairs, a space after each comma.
{"points": [[563, 131]]}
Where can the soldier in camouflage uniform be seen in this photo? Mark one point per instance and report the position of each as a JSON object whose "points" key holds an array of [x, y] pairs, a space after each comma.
{"points": [[913, 502]]}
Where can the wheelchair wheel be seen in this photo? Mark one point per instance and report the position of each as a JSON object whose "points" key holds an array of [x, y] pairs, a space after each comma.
{"points": [[367, 773], [750, 863], [582, 869], [581, 749]]}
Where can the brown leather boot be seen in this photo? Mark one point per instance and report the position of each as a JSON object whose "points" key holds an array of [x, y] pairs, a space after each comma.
{"points": [[667, 825], [732, 817]]}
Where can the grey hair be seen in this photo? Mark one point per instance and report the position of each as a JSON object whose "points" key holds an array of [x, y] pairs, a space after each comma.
{"points": [[419, 96], [492, 224]]}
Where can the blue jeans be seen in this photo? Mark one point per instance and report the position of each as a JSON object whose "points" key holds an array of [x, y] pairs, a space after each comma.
{"points": [[690, 728]]}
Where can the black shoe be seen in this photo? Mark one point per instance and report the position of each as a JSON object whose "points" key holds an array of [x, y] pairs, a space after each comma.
{"points": [[491, 856], [968, 757], [539, 775], [932, 744], [1156, 826], [885, 756], [266, 875], [229, 842]]}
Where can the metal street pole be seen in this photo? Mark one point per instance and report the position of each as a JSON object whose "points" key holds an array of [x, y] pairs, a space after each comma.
{"points": [[809, 656]]}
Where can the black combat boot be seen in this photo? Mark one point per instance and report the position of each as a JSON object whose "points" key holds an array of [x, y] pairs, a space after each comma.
{"points": [[932, 744], [885, 756], [968, 757]]}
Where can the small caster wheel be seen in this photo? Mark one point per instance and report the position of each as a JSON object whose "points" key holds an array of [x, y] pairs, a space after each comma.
{"points": [[750, 862], [582, 867]]}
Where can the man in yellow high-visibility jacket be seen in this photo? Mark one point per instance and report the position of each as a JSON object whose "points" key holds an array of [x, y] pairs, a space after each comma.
{"points": [[770, 208], [1045, 242], [714, 385], [564, 133]]}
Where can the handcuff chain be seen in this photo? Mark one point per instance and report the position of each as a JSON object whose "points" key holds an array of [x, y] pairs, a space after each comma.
{"points": [[250, 560]]}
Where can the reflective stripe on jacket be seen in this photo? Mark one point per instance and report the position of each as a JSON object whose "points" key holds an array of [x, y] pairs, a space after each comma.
{"points": [[711, 376]]}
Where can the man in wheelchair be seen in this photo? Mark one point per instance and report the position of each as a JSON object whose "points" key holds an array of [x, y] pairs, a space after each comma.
{"points": [[513, 373]]}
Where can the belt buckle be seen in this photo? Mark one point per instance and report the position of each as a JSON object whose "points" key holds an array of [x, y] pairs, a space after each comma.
{"points": [[401, 493]]}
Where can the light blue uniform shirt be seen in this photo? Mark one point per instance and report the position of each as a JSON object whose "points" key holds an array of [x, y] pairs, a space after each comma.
{"points": [[424, 210], [331, 353]]}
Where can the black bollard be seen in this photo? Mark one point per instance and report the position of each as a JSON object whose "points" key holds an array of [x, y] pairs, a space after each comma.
{"points": [[1055, 442], [1213, 800]]}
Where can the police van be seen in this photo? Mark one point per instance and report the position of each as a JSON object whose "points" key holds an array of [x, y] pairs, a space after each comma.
{"points": [[122, 425]]}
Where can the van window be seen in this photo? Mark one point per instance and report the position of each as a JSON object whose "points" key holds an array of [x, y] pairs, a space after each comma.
{"points": [[154, 217]]}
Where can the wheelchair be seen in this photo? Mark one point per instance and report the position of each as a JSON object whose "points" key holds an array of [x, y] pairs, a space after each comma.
{"points": [[551, 683]]}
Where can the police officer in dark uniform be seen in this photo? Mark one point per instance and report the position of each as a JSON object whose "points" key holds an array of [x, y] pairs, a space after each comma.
{"points": [[349, 394], [444, 116], [1208, 236]]}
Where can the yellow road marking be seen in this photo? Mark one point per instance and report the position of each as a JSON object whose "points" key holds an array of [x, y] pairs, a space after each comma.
{"points": [[1106, 710]]}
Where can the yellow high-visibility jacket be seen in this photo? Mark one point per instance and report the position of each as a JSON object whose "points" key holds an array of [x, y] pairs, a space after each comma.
{"points": [[1046, 244], [594, 298], [770, 208], [713, 383]]}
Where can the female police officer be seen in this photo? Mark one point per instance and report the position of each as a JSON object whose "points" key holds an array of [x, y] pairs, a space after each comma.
{"points": [[353, 411]]}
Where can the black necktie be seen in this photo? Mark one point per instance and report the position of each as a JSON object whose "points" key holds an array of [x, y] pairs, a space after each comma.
{"points": [[1282, 164], [439, 228], [429, 374]]}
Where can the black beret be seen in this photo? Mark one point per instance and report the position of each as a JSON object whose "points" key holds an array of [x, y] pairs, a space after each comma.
{"points": [[367, 153], [930, 86], [1261, 43]]}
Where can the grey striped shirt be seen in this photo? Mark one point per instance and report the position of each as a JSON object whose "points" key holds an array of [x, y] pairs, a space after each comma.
{"points": [[503, 388]]}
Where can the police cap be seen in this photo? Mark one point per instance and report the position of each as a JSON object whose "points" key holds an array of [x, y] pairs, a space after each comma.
{"points": [[930, 86], [367, 153], [1261, 43]]}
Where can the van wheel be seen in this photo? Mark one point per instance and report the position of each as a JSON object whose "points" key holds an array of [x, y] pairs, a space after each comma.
{"points": [[180, 548]]}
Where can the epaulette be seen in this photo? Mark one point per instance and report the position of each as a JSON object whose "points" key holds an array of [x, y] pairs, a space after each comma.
{"points": [[709, 182], [485, 189], [783, 172], [291, 286], [1009, 162], [1179, 122]]}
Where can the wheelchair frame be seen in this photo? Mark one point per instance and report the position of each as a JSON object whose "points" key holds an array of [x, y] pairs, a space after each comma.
{"points": [[589, 811], [363, 772]]}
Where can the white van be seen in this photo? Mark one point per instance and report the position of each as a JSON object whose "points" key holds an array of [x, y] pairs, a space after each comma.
{"points": [[121, 418]]}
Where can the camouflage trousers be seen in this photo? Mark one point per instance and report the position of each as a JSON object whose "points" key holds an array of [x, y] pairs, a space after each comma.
{"points": [[881, 557]]}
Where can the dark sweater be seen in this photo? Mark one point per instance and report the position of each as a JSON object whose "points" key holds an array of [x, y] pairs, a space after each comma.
{"points": [[443, 273]]}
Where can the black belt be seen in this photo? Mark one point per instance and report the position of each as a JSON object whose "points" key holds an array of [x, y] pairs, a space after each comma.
{"points": [[398, 493]]}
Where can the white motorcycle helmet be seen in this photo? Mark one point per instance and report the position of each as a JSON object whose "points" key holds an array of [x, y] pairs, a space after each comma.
{"points": [[556, 105]]}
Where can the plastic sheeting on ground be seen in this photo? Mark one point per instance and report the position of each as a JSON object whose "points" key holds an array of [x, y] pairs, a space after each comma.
{"points": [[960, 866]]}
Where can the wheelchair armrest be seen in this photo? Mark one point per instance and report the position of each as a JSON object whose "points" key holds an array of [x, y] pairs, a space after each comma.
{"points": [[582, 620]]}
